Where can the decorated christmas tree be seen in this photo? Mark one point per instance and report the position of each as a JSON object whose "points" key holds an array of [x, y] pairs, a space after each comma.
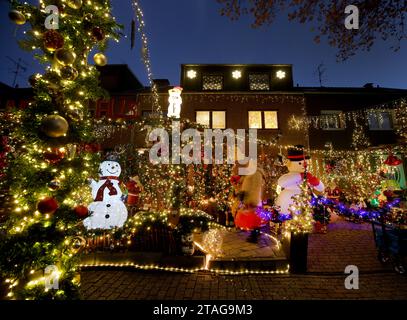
{"points": [[301, 211], [52, 160]]}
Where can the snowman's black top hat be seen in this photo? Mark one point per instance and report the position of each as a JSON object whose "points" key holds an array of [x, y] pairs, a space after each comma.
{"points": [[296, 153], [112, 157]]}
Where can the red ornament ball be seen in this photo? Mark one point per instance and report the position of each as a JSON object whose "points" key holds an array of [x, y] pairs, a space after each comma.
{"points": [[47, 205], [98, 33], [53, 40], [81, 211], [54, 155]]}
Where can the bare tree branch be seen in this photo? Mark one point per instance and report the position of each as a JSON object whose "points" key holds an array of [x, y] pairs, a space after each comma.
{"points": [[378, 19]]}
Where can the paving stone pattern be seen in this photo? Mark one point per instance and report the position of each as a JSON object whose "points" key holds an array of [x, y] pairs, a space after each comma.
{"points": [[345, 243]]}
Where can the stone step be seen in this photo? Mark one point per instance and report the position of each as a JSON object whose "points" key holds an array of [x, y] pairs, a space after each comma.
{"points": [[260, 264], [236, 253]]}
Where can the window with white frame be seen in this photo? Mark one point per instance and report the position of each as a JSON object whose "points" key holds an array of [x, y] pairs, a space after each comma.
{"points": [[380, 120], [263, 119], [332, 120], [212, 119]]}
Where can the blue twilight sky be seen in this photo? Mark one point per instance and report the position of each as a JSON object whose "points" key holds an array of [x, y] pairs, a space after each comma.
{"points": [[192, 31]]}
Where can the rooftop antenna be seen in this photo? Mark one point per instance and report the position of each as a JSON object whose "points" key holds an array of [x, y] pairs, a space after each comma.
{"points": [[19, 67], [321, 70]]}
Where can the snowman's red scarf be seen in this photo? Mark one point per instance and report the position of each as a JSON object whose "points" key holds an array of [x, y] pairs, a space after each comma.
{"points": [[108, 184]]}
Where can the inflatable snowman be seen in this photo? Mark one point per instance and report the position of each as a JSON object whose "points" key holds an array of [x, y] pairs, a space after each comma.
{"points": [[107, 211], [288, 185], [175, 101]]}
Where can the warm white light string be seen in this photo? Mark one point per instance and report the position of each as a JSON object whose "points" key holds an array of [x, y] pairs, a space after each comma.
{"points": [[145, 54], [204, 268]]}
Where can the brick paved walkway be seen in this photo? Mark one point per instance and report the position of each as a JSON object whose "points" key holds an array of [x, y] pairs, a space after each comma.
{"points": [[345, 243]]}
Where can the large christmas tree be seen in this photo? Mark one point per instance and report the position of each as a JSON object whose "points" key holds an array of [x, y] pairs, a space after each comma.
{"points": [[52, 160]]}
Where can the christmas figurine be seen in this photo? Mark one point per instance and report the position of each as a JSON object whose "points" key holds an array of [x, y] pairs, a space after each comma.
{"points": [[175, 101], [134, 188], [288, 185], [107, 211], [250, 194]]}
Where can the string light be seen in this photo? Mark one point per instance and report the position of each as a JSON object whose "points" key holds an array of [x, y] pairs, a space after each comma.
{"points": [[184, 270], [145, 53]]}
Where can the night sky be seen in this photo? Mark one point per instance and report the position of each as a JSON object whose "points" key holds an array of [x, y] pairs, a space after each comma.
{"points": [[192, 31]]}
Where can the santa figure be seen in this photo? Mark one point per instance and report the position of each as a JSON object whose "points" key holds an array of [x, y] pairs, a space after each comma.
{"points": [[175, 101], [250, 195], [288, 185]]}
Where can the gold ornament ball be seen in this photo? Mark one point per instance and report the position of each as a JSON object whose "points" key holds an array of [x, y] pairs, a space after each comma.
{"points": [[69, 73], [74, 4], [100, 59], [65, 56], [17, 17], [55, 126]]}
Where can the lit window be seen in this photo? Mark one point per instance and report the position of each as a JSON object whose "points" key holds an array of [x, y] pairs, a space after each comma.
{"points": [[332, 120], [255, 120], [212, 119], [263, 120], [270, 120], [280, 74], [212, 82], [259, 81], [380, 120], [203, 118], [191, 74], [218, 119], [237, 74]]}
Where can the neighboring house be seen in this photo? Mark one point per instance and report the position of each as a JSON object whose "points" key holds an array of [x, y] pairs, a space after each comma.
{"points": [[238, 96], [263, 96]]}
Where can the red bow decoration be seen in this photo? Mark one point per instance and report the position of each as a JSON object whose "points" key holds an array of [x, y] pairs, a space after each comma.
{"points": [[392, 160], [108, 184]]}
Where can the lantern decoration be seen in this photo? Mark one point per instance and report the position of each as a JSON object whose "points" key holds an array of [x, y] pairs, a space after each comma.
{"points": [[100, 59], [65, 56], [75, 114], [187, 244], [54, 185], [47, 205], [71, 151], [98, 33], [69, 73], [78, 243], [74, 4], [53, 40], [54, 126], [17, 17], [392, 160]]}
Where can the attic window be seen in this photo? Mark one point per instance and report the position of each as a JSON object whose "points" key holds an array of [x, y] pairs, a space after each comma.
{"points": [[260, 81], [212, 82]]}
